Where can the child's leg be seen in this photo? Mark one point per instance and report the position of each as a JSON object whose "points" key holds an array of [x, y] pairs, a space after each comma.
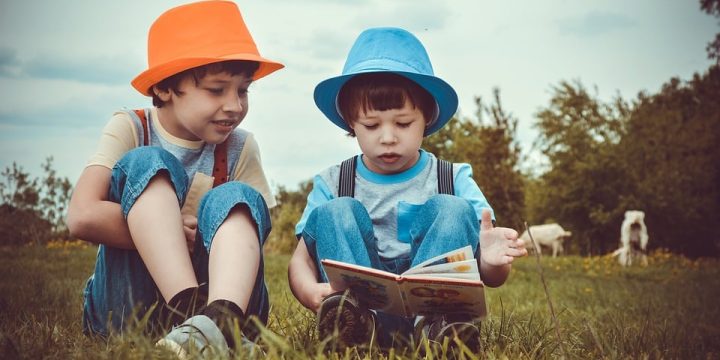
{"points": [[155, 224], [443, 223], [121, 282], [229, 278], [341, 230], [233, 224]]}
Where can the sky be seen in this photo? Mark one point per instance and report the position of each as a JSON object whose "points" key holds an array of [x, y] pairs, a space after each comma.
{"points": [[66, 66]]}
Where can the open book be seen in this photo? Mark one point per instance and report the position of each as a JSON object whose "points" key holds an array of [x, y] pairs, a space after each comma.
{"points": [[446, 284]]}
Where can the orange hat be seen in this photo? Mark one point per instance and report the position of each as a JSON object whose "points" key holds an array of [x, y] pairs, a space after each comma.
{"points": [[197, 34]]}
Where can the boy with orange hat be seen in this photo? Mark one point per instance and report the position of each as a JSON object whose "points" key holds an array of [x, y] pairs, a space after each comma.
{"points": [[176, 195], [395, 205]]}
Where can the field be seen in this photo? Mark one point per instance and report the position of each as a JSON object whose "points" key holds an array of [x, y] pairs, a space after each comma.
{"points": [[668, 309]]}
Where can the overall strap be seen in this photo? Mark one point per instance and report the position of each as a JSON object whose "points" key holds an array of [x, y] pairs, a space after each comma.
{"points": [[220, 166], [346, 186], [143, 120], [445, 177]]}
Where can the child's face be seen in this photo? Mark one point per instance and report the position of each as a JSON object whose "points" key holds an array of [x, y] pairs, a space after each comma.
{"points": [[390, 139], [208, 111]]}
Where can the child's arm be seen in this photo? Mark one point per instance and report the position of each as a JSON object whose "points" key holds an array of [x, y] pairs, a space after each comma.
{"points": [[303, 275], [498, 248], [91, 216]]}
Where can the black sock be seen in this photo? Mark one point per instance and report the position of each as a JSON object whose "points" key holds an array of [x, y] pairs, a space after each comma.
{"points": [[181, 306], [226, 314]]}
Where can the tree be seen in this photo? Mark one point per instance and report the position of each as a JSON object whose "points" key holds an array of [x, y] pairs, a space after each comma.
{"points": [[32, 209], [671, 149], [284, 217], [712, 7], [581, 191], [55, 196], [488, 144]]}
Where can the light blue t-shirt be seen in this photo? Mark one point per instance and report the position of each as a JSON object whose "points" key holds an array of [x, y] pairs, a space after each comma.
{"points": [[392, 200]]}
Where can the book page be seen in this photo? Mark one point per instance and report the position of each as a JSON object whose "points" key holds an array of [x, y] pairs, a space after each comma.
{"points": [[376, 289], [467, 269], [440, 297], [461, 254]]}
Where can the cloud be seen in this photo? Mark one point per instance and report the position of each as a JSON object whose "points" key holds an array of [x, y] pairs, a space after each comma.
{"points": [[595, 24], [8, 62], [91, 70], [432, 15]]}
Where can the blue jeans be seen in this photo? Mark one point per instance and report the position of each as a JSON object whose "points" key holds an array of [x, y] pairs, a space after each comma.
{"points": [[121, 288], [341, 230]]}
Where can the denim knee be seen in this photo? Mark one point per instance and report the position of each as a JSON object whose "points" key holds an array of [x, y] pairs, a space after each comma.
{"points": [[216, 205], [449, 206], [449, 222], [344, 214], [133, 172]]}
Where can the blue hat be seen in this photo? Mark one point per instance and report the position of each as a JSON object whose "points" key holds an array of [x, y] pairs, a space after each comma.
{"points": [[394, 51]]}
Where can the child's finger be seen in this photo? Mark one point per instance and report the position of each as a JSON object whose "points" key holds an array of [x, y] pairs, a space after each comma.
{"points": [[486, 220]]}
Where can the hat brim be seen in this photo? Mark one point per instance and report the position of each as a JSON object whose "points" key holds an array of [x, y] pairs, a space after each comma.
{"points": [[326, 93], [154, 75]]}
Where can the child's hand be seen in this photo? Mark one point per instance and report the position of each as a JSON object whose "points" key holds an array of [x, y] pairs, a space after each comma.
{"points": [[498, 245], [190, 228], [316, 294]]}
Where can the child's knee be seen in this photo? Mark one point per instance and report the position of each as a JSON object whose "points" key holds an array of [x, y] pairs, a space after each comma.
{"points": [[140, 167], [145, 162], [232, 200], [339, 207], [149, 156], [449, 206]]}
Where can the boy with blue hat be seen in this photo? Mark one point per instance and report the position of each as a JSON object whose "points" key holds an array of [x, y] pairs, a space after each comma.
{"points": [[176, 196], [395, 205]]}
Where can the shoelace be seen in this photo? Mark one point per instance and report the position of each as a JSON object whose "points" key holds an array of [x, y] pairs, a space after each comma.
{"points": [[195, 330]]}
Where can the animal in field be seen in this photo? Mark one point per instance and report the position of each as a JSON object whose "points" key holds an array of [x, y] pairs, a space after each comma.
{"points": [[548, 235], [633, 239]]}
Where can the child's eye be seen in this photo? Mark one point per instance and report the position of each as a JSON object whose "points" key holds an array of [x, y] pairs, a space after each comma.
{"points": [[216, 91], [404, 125], [242, 92], [370, 127]]}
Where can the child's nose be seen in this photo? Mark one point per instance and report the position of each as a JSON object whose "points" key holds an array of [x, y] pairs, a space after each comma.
{"points": [[233, 103], [388, 136]]}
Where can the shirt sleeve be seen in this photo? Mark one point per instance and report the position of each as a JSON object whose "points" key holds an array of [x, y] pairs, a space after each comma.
{"points": [[118, 137], [250, 171], [319, 195], [467, 188]]}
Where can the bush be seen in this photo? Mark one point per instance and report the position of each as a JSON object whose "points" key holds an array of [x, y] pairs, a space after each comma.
{"points": [[32, 210]]}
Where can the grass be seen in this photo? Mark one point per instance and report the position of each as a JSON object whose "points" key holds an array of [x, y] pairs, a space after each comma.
{"points": [[665, 310]]}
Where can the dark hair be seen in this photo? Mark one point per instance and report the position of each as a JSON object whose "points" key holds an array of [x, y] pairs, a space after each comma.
{"points": [[232, 67], [383, 91]]}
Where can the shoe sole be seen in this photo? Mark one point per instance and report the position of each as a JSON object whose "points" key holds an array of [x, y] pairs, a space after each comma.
{"points": [[328, 319]]}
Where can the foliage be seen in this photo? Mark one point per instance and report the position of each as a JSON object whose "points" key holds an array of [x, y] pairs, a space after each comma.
{"points": [[671, 152], [578, 134], [489, 146], [597, 302], [658, 154], [712, 7], [284, 217], [32, 209]]}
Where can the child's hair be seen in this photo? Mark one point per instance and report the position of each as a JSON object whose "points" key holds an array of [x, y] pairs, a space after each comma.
{"points": [[232, 67], [383, 91]]}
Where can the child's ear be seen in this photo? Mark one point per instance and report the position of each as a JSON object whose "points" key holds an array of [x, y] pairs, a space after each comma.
{"points": [[163, 94]]}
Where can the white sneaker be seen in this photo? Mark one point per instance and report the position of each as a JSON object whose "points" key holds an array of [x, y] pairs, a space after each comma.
{"points": [[197, 337]]}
